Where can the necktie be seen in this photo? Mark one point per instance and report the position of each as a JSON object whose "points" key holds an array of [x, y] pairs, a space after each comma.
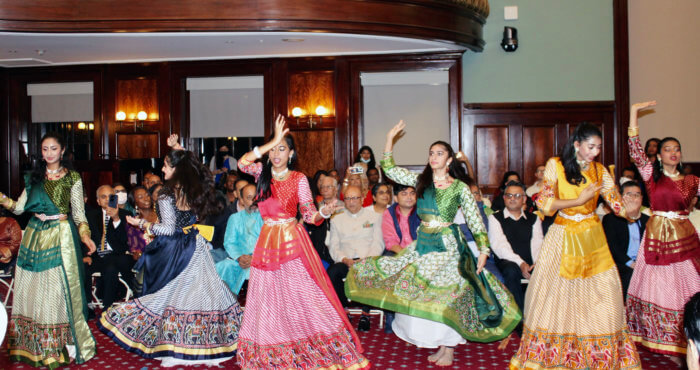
{"points": [[104, 234]]}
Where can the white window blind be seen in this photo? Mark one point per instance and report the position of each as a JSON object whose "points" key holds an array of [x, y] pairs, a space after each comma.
{"points": [[419, 98], [62, 102], [226, 106]]}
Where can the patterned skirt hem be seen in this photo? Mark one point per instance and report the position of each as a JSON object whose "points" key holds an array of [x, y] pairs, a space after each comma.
{"points": [[164, 350], [39, 361], [656, 328], [321, 352], [540, 349]]}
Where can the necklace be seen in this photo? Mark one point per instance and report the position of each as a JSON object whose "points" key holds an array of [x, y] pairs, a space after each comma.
{"points": [[583, 164], [53, 172], [279, 175], [440, 178], [671, 175]]}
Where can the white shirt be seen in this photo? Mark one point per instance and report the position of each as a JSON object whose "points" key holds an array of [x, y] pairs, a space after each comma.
{"points": [[356, 235], [502, 248], [534, 189]]}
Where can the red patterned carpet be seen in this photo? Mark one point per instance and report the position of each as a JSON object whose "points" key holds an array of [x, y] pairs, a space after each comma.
{"points": [[385, 351]]}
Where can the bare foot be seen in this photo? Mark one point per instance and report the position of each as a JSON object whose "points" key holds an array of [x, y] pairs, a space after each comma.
{"points": [[436, 356], [447, 357]]}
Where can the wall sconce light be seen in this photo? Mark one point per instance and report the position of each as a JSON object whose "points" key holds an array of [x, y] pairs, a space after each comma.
{"points": [[137, 118], [298, 113], [510, 39]]}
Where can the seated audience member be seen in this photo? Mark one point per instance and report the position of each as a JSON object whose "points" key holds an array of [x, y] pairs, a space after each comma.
{"points": [[381, 196], [373, 176], [108, 231], [627, 174], [315, 185], [229, 187], [236, 206], [10, 239], [400, 221], [123, 198], [221, 163], [516, 238], [355, 234], [623, 236], [242, 233], [357, 177], [150, 179], [365, 159], [137, 238], [651, 148], [687, 169], [691, 326], [537, 186], [219, 219], [498, 203], [485, 212], [328, 187]]}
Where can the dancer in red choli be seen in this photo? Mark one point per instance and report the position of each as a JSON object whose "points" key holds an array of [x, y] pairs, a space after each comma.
{"points": [[293, 318], [666, 270]]}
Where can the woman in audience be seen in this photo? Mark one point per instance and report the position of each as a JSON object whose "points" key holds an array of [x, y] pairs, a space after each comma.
{"points": [[293, 317], [365, 159], [143, 206], [356, 176], [435, 279], [666, 271], [123, 198], [315, 185], [574, 314], [187, 315], [651, 148], [381, 194], [498, 204], [48, 324]]}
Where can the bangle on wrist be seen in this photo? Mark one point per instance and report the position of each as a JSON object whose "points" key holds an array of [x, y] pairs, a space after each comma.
{"points": [[257, 153], [632, 131], [141, 222], [320, 212]]}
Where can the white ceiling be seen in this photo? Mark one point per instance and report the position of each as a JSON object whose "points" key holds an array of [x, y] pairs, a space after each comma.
{"points": [[42, 49]]}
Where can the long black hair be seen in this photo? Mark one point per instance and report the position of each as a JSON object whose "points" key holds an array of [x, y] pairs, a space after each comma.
{"points": [[583, 132], [263, 188], [504, 180], [315, 191], [658, 166], [191, 180], [358, 158], [648, 144], [425, 179], [39, 172]]}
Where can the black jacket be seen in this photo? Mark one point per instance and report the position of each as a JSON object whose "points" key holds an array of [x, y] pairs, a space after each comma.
{"points": [[115, 237], [618, 236]]}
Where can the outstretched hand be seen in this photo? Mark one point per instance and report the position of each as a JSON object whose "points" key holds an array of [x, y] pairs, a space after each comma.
{"points": [[481, 263], [133, 221], [174, 143], [589, 192], [392, 134], [644, 105]]}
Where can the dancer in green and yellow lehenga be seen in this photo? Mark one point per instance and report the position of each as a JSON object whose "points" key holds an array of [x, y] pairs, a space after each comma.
{"points": [[441, 294], [48, 323]]}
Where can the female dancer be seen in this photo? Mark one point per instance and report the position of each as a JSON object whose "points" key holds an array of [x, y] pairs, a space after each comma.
{"points": [[666, 271], [187, 315], [293, 319], [48, 324], [435, 279], [574, 315]]}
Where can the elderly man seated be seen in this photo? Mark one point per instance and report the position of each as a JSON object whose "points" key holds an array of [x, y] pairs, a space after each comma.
{"points": [[242, 233], [328, 187], [355, 234]]}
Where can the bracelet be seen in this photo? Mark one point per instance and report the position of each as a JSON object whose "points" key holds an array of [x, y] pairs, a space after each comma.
{"points": [[633, 131], [257, 153], [320, 212], [141, 222], [388, 154]]}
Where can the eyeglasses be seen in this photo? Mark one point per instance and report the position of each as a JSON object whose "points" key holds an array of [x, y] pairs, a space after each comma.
{"points": [[516, 196], [353, 198], [633, 195], [327, 187], [382, 192]]}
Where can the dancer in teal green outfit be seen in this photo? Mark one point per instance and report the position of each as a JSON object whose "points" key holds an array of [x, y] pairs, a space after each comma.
{"points": [[436, 280]]}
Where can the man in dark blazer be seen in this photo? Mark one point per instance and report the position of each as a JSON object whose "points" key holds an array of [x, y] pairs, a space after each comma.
{"points": [[108, 231], [624, 237]]}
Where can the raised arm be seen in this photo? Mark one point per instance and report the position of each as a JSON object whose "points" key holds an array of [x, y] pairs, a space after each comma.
{"points": [[644, 164], [395, 173], [247, 161]]}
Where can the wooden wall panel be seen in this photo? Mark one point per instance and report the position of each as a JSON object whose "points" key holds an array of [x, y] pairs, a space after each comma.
{"points": [[137, 145], [491, 154], [134, 96], [315, 148], [533, 133], [539, 144], [308, 90]]}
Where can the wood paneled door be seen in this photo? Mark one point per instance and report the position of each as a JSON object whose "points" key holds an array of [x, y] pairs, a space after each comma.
{"points": [[519, 137]]}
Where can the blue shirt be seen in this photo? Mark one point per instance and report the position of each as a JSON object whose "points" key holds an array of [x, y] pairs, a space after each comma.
{"points": [[635, 239]]}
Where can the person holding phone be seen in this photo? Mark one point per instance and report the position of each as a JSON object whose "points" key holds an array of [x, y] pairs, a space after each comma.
{"points": [[108, 232], [48, 301], [357, 177]]}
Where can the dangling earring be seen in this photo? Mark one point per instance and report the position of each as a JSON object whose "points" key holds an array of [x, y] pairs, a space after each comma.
{"points": [[268, 160], [575, 150], [289, 161]]}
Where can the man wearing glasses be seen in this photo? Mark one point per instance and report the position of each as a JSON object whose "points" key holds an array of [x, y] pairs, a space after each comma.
{"points": [[516, 238], [624, 236]]}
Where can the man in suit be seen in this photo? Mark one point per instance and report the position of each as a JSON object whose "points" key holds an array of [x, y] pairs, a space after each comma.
{"points": [[624, 236], [108, 231]]}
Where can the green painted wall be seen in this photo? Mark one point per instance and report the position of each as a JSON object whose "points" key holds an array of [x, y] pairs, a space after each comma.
{"points": [[565, 53]]}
